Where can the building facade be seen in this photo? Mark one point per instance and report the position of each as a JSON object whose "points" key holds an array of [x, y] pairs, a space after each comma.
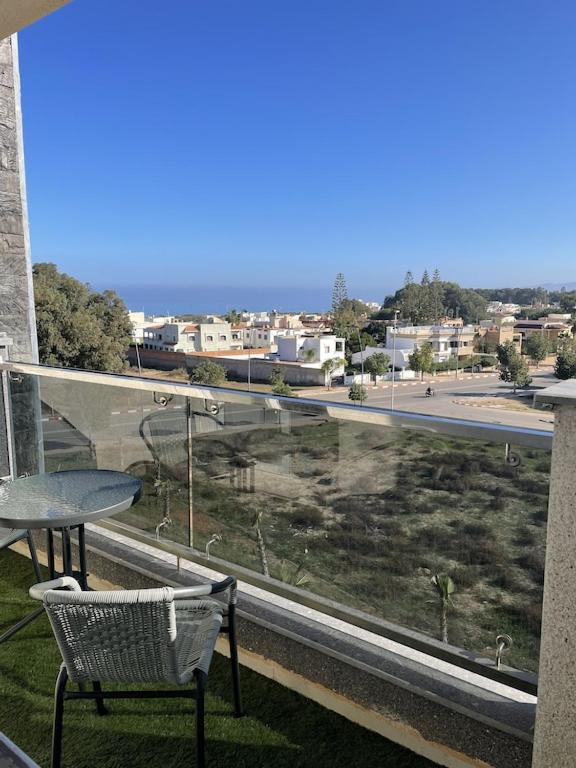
{"points": [[448, 341]]}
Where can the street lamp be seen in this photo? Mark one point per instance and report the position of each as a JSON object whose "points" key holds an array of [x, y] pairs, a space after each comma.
{"points": [[394, 326]]}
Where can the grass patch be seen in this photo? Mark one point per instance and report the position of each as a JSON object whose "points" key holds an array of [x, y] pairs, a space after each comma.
{"points": [[281, 728]]}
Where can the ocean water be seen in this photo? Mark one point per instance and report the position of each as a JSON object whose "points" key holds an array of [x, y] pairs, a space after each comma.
{"points": [[179, 300]]}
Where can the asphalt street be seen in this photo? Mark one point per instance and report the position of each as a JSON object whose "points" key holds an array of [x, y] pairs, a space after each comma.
{"points": [[449, 392]]}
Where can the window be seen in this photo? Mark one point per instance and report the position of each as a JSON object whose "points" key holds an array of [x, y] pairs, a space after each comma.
{"points": [[160, 337], [338, 346], [209, 337], [327, 349], [223, 337], [235, 336], [191, 337]]}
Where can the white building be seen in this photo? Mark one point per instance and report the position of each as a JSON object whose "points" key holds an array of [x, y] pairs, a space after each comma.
{"points": [[398, 356], [500, 308], [139, 322], [447, 342], [310, 349], [258, 337]]}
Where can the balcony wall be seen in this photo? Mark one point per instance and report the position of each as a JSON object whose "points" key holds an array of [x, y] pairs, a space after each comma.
{"points": [[335, 518]]}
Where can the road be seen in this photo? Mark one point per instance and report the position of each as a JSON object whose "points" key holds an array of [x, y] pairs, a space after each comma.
{"points": [[409, 396]]}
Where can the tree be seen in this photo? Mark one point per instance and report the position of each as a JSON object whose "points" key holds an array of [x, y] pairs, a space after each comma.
{"points": [[209, 373], [565, 367], [234, 317], [425, 308], [518, 372], [513, 367], [427, 302], [537, 347], [78, 327], [283, 389], [437, 296], [357, 393], [279, 386], [445, 588], [360, 341], [408, 301], [422, 359], [331, 365], [377, 364], [339, 292]]}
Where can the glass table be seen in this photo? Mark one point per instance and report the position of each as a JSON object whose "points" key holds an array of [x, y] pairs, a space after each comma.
{"points": [[62, 501]]}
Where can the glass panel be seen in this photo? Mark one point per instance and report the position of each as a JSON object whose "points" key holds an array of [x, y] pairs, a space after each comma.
{"points": [[367, 515], [86, 425], [361, 514]]}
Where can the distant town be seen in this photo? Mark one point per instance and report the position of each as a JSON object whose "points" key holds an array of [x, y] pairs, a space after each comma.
{"points": [[427, 328]]}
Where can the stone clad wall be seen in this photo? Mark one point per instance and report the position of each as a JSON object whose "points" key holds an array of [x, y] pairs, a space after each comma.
{"points": [[17, 317]]}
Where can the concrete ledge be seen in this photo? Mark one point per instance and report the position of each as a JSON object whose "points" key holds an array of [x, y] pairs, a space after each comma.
{"points": [[447, 719], [16, 15], [563, 393]]}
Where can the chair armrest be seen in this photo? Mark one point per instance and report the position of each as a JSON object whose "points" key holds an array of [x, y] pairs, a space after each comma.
{"points": [[203, 590], [37, 591]]}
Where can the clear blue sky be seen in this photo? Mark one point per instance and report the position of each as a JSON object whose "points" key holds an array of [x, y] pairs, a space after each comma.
{"points": [[240, 146]]}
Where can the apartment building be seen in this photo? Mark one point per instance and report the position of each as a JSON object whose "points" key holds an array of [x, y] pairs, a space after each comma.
{"points": [[492, 334], [192, 337], [448, 341]]}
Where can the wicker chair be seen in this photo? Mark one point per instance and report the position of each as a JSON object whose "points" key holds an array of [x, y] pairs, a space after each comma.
{"points": [[159, 635], [9, 536]]}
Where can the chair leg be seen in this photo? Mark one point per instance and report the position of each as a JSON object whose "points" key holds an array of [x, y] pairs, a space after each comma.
{"points": [[234, 661], [100, 708], [200, 744], [34, 557], [58, 717]]}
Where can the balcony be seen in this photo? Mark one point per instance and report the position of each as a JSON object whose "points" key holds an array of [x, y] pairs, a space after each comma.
{"points": [[335, 518]]}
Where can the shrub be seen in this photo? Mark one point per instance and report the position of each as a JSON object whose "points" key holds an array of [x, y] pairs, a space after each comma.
{"points": [[307, 517]]}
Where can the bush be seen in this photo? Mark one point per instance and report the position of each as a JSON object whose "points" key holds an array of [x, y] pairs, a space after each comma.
{"points": [[307, 517]]}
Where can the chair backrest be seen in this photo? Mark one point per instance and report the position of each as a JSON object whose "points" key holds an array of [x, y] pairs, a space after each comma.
{"points": [[126, 636]]}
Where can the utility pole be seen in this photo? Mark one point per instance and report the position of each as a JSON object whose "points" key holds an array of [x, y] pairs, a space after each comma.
{"points": [[361, 359], [457, 340], [394, 327]]}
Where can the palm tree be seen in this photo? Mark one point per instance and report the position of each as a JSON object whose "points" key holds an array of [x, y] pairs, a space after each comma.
{"points": [[329, 366], [445, 588]]}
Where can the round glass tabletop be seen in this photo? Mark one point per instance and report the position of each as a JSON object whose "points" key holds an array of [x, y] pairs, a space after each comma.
{"points": [[63, 499]]}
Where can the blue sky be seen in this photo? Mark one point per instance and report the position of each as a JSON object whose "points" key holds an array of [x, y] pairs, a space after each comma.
{"points": [[269, 144]]}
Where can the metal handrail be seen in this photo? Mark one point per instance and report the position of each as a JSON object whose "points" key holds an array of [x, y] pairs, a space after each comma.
{"points": [[466, 429]]}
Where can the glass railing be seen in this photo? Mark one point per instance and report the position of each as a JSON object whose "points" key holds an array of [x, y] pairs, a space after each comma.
{"points": [[355, 508]]}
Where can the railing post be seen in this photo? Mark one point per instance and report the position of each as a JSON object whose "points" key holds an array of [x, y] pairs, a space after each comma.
{"points": [[555, 733]]}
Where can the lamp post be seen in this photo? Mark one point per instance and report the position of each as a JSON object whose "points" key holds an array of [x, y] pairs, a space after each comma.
{"points": [[394, 326], [457, 340], [361, 359]]}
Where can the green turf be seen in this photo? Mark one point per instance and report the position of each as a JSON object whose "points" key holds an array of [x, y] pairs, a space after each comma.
{"points": [[280, 729]]}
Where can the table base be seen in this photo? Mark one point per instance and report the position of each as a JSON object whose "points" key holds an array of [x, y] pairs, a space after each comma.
{"points": [[68, 570]]}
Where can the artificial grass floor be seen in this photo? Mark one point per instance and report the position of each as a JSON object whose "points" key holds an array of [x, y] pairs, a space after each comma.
{"points": [[281, 728]]}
